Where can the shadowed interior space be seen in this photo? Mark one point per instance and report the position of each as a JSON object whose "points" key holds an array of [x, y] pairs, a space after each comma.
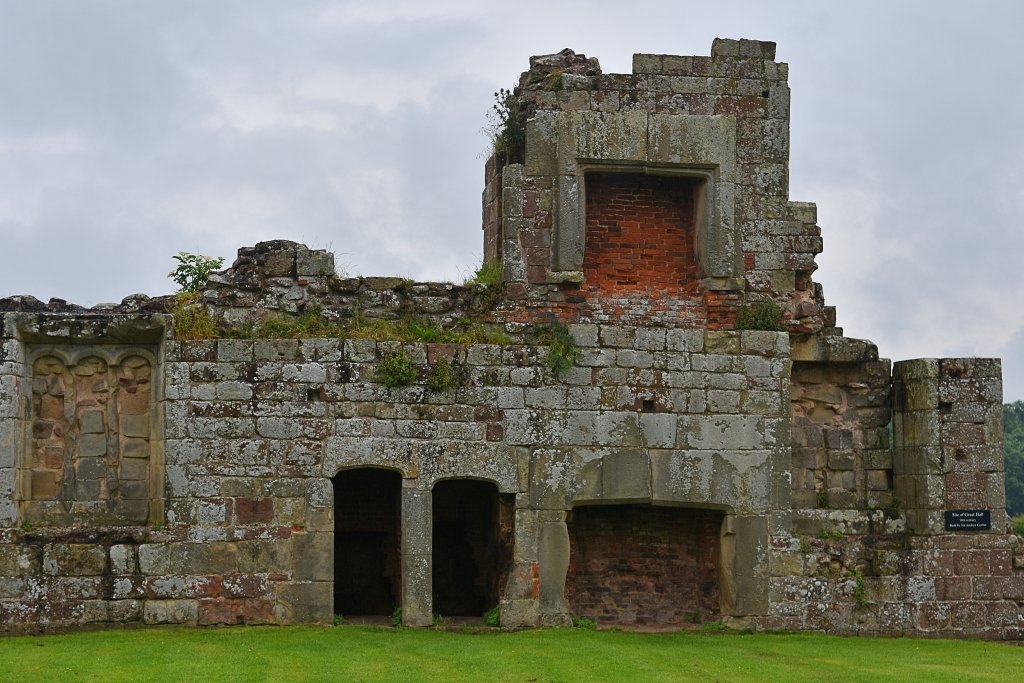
{"points": [[641, 565], [473, 534], [367, 535]]}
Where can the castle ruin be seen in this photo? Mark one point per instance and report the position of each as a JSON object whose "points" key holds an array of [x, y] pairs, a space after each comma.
{"points": [[685, 467]]}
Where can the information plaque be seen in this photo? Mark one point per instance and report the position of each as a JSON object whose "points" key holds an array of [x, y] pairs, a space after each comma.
{"points": [[968, 520]]}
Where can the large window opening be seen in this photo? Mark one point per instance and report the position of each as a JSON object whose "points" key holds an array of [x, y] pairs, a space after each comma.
{"points": [[472, 546], [367, 538], [641, 565], [641, 233]]}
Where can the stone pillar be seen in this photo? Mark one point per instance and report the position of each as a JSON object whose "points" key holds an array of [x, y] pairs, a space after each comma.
{"points": [[12, 423], [553, 561], [744, 568], [521, 593], [948, 433], [417, 545]]}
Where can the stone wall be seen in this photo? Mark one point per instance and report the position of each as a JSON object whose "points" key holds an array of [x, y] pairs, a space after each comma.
{"points": [[793, 478]]}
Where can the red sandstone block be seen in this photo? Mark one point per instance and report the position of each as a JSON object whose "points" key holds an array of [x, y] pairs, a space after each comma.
{"points": [[965, 481], [966, 500], [988, 587], [939, 563], [971, 562], [1001, 562], [1013, 587], [454, 353], [1004, 613], [969, 614], [244, 586], [495, 432], [935, 615], [536, 275], [202, 586], [236, 612], [253, 510], [953, 588]]}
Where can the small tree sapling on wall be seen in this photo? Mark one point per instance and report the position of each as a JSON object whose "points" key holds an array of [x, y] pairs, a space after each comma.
{"points": [[193, 270]]}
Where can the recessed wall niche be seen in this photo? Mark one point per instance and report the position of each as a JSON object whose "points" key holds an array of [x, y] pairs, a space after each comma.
{"points": [[90, 447]]}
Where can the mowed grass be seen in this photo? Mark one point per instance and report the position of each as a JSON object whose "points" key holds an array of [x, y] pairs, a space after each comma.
{"points": [[351, 653]]}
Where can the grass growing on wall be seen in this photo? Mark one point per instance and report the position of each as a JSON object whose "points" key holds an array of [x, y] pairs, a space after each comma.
{"points": [[192, 321], [350, 653]]}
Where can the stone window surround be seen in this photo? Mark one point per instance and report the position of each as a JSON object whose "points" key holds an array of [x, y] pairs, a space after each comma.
{"points": [[715, 246]]}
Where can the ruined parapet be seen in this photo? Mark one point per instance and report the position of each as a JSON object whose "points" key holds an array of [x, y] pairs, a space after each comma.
{"points": [[285, 278]]}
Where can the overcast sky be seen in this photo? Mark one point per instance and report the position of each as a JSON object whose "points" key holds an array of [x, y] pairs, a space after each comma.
{"points": [[131, 130]]}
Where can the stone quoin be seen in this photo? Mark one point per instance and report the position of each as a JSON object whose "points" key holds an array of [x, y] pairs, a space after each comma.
{"points": [[681, 470]]}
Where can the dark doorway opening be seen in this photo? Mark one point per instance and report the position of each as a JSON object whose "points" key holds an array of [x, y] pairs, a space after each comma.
{"points": [[473, 535], [367, 538], [641, 565]]}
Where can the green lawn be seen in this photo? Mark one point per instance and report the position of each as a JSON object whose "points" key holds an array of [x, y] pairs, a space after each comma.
{"points": [[351, 653]]}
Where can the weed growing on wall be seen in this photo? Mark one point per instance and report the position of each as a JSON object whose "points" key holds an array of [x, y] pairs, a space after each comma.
{"points": [[507, 127], [397, 370], [859, 590], [191, 318], [562, 349], [489, 273], [193, 321], [492, 617], [765, 315], [309, 325], [443, 375], [193, 270], [585, 623]]}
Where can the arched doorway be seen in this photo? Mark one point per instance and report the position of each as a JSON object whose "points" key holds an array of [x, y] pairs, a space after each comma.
{"points": [[367, 539], [472, 546]]}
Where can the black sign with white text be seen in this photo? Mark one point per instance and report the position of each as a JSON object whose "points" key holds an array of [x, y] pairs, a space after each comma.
{"points": [[968, 520]]}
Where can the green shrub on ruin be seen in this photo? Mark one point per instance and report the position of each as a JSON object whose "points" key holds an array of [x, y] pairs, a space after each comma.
{"points": [[764, 315], [1018, 525], [397, 370], [584, 623], [507, 126], [193, 270], [443, 375], [489, 273], [562, 349], [492, 617], [859, 589]]}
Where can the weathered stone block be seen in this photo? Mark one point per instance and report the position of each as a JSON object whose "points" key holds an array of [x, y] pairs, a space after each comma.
{"points": [[74, 559], [626, 476]]}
